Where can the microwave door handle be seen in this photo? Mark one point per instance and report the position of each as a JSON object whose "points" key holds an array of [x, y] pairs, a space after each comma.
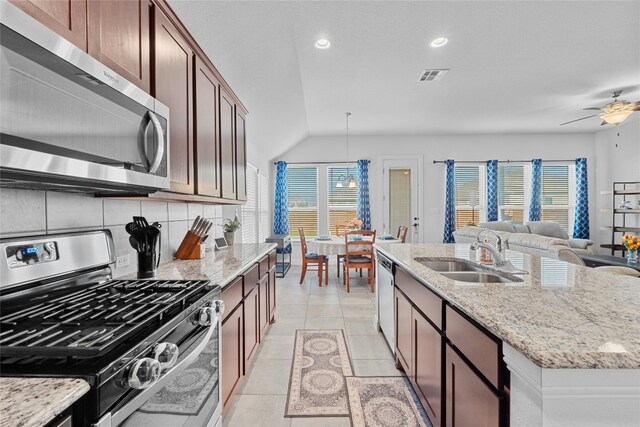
{"points": [[134, 404], [159, 142]]}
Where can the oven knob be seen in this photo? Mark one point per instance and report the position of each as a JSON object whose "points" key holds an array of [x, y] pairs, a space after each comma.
{"points": [[144, 373], [207, 316], [166, 353]]}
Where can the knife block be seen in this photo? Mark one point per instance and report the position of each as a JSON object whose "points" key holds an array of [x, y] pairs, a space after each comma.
{"points": [[191, 247]]}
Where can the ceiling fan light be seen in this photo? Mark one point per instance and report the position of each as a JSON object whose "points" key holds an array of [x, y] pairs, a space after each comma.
{"points": [[616, 117]]}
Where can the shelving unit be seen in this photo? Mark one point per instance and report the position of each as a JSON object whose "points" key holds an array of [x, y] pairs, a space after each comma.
{"points": [[621, 190]]}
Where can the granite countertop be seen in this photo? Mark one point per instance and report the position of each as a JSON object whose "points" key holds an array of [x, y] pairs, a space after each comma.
{"points": [[36, 401], [561, 316], [221, 266]]}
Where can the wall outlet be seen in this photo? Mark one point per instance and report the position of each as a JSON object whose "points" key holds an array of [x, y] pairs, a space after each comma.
{"points": [[123, 261]]}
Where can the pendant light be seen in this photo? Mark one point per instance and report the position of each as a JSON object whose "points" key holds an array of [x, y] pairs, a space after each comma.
{"points": [[351, 181]]}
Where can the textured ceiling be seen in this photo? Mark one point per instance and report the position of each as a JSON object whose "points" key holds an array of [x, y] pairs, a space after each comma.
{"points": [[515, 66]]}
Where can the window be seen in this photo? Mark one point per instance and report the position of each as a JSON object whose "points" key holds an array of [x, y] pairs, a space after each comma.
{"points": [[555, 194], [511, 193], [303, 199], [468, 182], [342, 201], [255, 212]]}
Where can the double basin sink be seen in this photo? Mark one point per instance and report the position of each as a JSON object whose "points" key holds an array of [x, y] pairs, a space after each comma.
{"points": [[462, 270]]}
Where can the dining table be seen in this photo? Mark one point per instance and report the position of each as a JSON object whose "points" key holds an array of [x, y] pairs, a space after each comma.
{"points": [[335, 245]]}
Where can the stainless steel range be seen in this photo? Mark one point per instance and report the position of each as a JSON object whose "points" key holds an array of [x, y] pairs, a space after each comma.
{"points": [[148, 348]]}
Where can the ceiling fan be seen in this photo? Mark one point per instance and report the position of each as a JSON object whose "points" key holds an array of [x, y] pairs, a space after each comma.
{"points": [[613, 113]]}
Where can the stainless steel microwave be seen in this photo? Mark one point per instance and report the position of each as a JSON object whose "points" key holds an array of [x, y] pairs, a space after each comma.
{"points": [[69, 123]]}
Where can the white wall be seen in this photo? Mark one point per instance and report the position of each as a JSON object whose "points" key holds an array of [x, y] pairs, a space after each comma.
{"points": [[441, 147], [617, 150]]}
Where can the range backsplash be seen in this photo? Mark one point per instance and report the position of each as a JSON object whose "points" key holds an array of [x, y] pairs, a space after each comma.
{"points": [[29, 212]]}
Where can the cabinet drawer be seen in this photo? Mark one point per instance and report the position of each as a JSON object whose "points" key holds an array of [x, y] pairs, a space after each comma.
{"points": [[425, 300], [251, 279], [272, 259], [231, 295], [476, 345], [263, 265]]}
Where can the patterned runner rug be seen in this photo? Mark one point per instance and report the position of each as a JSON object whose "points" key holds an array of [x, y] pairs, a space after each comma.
{"points": [[317, 386], [384, 401]]}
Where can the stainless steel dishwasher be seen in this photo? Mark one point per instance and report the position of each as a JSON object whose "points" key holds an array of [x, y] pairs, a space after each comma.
{"points": [[386, 306]]}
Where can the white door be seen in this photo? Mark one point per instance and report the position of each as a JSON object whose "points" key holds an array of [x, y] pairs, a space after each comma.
{"points": [[401, 203]]}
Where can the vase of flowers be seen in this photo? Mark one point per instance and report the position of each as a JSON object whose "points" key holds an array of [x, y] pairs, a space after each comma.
{"points": [[354, 224], [229, 227], [632, 244]]}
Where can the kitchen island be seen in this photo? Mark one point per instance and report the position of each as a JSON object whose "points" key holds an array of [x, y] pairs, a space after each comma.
{"points": [[568, 335]]}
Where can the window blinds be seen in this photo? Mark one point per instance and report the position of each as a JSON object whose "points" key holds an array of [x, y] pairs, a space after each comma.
{"points": [[555, 194], [511, 192], [249, 220], [303, 199]]}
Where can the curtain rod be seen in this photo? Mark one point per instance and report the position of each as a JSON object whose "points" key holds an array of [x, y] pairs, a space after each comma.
{"points": [[320, 163], [500, 161]]}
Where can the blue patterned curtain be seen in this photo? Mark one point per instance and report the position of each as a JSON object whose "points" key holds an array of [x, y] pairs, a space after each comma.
{"points": [[536, 190], [492, 190], [281, 204], [364, 211], [581, 222], [450, 204]]}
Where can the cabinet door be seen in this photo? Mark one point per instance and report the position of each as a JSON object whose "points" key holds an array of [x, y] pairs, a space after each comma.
{"points": [[272, 294], [118, 33], [207, 153], [66, 17], [241, 156], [251, 329], [403, 332], [227, 146], [427, 374], [232, 356], [470, 402], [264, 304], [173, 86]]}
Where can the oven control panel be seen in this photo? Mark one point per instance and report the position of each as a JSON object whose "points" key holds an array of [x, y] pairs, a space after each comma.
{"points": [[33, 253]]}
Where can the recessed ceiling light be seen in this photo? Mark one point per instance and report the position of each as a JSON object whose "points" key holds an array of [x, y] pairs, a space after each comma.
{"points": [[323, 43], [439, 42]]}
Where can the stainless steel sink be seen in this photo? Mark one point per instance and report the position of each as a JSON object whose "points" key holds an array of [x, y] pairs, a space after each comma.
{"points": [[479, 277], [440, 265]]}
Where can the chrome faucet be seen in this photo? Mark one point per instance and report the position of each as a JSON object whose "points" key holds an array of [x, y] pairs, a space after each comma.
{"points": [[498, 258]]}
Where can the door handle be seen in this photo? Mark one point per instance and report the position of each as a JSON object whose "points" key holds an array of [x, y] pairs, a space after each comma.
{"points": [[158, 142]]}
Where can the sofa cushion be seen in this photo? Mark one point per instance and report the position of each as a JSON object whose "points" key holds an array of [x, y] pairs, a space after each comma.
{"points": [[534, 241], [521, 228], [547, 228], [498, 226]]}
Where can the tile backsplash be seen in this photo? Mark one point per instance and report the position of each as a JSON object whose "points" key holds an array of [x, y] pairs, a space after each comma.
{"points": [[29, 212]]}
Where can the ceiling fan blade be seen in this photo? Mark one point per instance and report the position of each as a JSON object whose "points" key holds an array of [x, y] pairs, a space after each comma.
{"points": [[577, 120], [592, 108]]}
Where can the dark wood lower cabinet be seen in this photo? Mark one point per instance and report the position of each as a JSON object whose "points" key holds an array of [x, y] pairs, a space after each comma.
{"points": [[232, 353], [272, 294], [264, 304], [404, 337], [251, 308], [427, 375], [470, 401]]}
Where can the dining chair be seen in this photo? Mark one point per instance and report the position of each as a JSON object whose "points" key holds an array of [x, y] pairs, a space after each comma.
{"points": [[320, 263], [402, 233], [341, 229], [359, 254]]}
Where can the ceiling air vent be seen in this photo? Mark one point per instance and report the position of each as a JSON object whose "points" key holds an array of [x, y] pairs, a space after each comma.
{"points": [[433, 75]]}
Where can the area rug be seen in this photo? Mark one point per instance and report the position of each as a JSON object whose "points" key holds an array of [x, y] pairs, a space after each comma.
{"points": [[317, 384], [384, 401]]}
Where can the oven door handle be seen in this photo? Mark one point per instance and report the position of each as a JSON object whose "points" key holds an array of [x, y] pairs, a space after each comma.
{"points": [[115, 419]]}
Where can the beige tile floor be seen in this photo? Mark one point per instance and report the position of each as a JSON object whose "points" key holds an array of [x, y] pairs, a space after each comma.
{"points": [[261, 400]]}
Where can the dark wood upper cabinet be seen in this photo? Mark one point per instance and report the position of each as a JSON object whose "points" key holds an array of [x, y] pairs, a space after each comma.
{"points": [[207, 94], [404, 337], [118, 33], [228, 146], [66, 17], [427, 373], [470, 402], [241, 155], [173, 86]]}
